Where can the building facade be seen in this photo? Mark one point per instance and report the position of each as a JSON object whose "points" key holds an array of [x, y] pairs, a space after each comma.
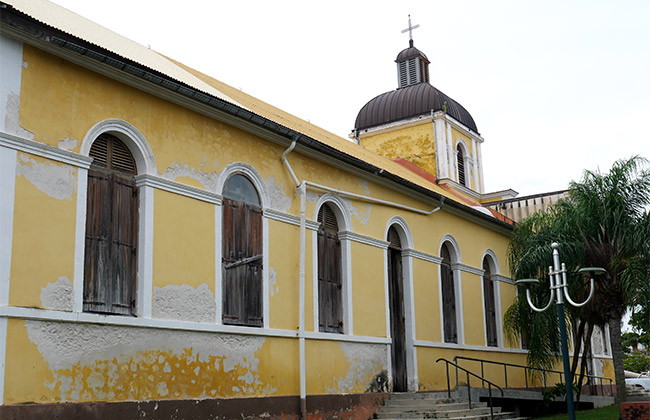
{"points": [[167, 238]]}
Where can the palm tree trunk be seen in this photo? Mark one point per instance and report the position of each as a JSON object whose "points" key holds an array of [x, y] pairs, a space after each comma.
{"points": [[617, 356]]}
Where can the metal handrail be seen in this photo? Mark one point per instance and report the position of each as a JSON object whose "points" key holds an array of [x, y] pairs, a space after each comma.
{"points": [[526, 369], [469, 393]]}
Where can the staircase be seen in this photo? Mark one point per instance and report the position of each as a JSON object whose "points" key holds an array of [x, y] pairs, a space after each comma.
{"points": [[437, 405]]}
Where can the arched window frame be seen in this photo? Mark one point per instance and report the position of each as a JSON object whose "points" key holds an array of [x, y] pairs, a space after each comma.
{"points": [[145, 164], [344, 222], [406, 240], [462, 149], [493, 263], [456, 260], [258, 182]]}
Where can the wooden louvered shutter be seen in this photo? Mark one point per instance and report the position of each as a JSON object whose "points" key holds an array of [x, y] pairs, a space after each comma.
{"points": [[111, 229], [490, 306], [448, 298], [242, 263], [330, 287], [461, 166]]}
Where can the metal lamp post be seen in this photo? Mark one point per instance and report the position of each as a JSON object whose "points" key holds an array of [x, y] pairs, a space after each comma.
{"points": [[560, 291]]}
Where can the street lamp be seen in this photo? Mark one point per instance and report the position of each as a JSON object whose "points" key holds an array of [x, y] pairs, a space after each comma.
{"points": [[560, 291]]}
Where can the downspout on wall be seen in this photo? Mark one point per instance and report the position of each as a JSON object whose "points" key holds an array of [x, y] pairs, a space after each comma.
{"points": [[301, 186]]}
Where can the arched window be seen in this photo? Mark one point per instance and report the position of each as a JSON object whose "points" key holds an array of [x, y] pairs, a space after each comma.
{"points": [[460, 156], [242, 253], [111, 229], [448, 296], [330, 285], [489, 304], [397, 315]]}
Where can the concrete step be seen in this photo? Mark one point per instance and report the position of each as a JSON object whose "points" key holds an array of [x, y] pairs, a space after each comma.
{"points": [[437, 405]]}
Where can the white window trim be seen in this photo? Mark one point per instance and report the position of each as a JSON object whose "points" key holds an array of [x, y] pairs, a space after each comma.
{"points": [[495, 270], [250, 172], [467, 163], [406, 239], [345, 226], [456, 263], [146, 164]]}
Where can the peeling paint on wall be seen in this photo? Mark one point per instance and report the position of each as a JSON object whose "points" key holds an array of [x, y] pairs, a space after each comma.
{"points": [[275, 288], [361, 212], [98, 363], [364, 185], [58, 295], [311, 196], [208, 180], [12, 119], [278, 199], [57, 181], [68, 144], [365, 362], [184, 303]]}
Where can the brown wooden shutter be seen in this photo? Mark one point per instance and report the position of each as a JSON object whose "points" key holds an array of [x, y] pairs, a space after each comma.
{"points": [[490, 305], [330, 287], [448, 298], [461, 166], [242, 264], [111, 229]]}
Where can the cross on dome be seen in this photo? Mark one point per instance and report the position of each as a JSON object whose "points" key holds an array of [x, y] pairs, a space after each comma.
{"points": [[410, 31]]}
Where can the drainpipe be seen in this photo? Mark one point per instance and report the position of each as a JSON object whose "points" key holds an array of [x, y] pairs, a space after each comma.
{"points": [[302, 191]]}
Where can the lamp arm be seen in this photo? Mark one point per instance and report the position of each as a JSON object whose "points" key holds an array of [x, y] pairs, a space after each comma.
{"points": [[535, 308], [591, 293]]}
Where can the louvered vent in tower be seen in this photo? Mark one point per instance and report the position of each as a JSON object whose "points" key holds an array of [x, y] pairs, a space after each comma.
{"points": [[111, 153], [327, 218]]}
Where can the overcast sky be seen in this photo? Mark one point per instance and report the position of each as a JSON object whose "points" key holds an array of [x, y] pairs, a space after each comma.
{"points": [[554, 86]]}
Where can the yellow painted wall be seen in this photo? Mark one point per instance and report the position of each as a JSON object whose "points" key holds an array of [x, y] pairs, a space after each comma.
{"points": [[426, 294], [368, 291], [43, 241], [415, 144], [184, 245], [473, 315], [284, 264]]}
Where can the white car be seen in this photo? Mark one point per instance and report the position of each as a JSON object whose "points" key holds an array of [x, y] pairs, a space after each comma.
{"points": [[637, 383]]}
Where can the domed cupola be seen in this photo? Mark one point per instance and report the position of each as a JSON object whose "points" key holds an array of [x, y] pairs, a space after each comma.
{"points": [[412, 66]]}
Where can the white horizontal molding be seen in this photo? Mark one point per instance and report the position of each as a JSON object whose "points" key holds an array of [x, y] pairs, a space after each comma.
{"points": [[22, 144], [362, 239], [289, 218], [153, 181], [438, 345], [422, 256], [467, 269], [36, 314], [347, 338], [504, 279]]}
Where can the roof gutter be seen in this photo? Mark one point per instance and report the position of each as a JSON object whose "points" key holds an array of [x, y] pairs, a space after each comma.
{"points": [[23, 26]]}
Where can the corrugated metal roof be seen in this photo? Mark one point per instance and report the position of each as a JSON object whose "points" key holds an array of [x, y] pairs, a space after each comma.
{"points": [[71, 23]]}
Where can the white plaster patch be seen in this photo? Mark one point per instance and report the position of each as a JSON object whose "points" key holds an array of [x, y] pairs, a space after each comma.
{"points": [[364, 185], [275, 288], [184, 303], [360, 212], [57, 181], [12, 121], [365, 362], [311, 196], [66, 345], [58, 295], [68, 144], [278, 199], [208, 180]]}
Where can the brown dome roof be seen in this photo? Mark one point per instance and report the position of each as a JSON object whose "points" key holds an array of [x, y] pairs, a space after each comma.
{"points": [[409, 52], [408, 102]]}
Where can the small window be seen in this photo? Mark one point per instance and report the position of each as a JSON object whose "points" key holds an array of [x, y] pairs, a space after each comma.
{"points": [[242, 253], [111, 229], [490, 305], [448, 297], [461, 166], [330, 293]]}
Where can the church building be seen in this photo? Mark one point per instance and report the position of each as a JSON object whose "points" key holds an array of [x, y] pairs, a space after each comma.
{"points": [[170, 244]]}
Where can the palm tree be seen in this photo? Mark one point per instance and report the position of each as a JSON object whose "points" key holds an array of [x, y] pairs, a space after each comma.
{"points": [[604, 222]]}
